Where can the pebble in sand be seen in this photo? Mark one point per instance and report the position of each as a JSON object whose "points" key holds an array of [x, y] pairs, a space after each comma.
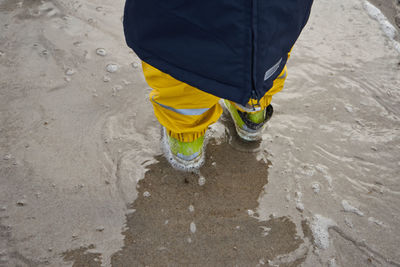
{"points": [[112, 68], [101, 52]]}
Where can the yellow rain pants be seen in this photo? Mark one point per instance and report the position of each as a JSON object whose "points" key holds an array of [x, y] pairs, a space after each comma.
{"points": [[185, 111]]}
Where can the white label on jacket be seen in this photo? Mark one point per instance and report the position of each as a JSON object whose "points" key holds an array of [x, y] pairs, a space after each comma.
{"points": [[272, 70]]}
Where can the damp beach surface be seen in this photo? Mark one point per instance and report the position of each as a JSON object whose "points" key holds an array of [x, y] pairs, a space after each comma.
{"points": [[83, 179]]}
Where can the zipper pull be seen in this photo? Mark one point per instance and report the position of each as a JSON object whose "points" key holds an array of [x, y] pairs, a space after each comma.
{"points": [[254, 95]]}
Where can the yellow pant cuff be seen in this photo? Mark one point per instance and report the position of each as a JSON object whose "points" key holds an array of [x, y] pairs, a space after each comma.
{"points": [[186, 137]]}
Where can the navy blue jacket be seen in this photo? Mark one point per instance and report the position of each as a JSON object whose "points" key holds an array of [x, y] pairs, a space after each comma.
{"points": [[233, 49]]}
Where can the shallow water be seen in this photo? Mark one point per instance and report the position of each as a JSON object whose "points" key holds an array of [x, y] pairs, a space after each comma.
{"points": [[83, 180]]}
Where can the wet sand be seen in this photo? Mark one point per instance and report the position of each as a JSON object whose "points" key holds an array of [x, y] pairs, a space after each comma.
{"points": [[391, 9], [84, 183], [183, 223]]}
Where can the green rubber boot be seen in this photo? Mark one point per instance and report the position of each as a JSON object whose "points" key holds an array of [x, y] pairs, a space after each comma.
{"points": [[185, 156], [249, 126]]}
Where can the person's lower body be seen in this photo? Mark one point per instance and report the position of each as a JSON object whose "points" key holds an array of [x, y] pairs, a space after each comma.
{"points": [[185, 112]]}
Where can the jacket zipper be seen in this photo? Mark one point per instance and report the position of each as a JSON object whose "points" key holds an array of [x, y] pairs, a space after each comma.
{"points": [[254, 93]]}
